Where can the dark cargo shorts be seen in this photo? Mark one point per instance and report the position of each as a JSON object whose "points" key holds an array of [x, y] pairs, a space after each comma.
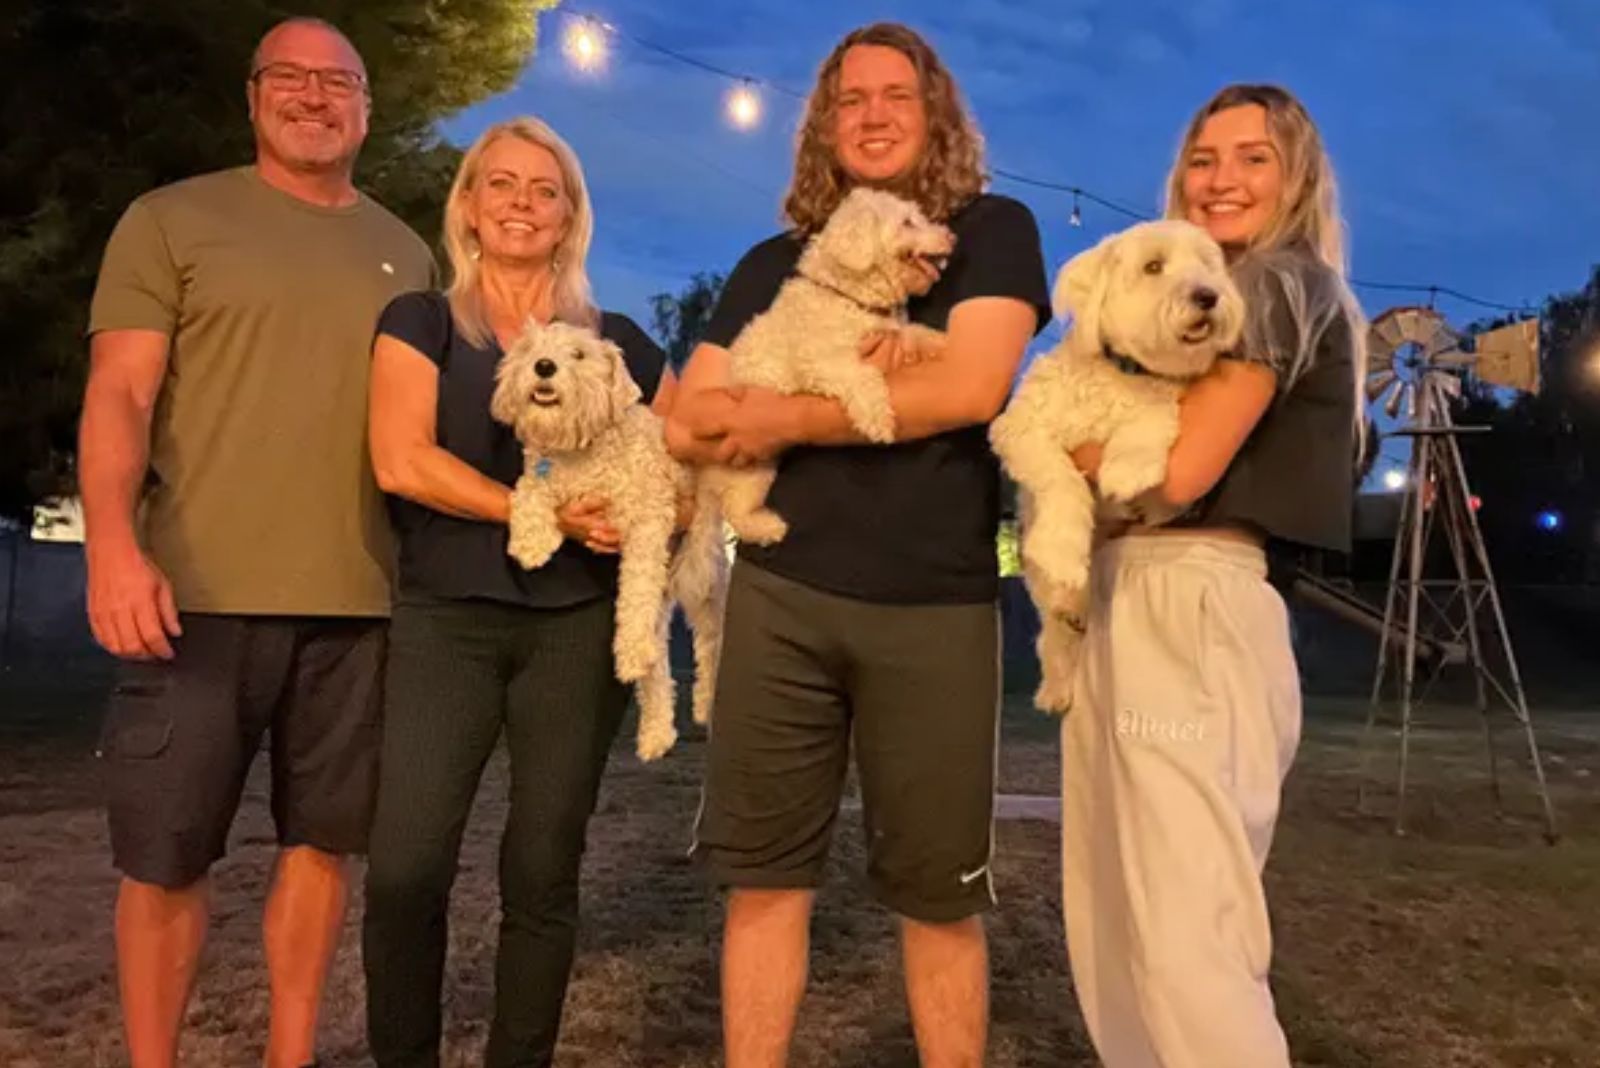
{"points": [[180, 736], [916, 689]]}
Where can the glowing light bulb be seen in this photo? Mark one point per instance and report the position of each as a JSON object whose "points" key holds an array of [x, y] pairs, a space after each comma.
{"points": [[744, 106], [585, 44]]}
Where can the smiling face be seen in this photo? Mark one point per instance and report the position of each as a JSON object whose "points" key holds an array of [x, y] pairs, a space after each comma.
{"points": [[518, 206], [880, 120], [1233, 176], [308, 99]]}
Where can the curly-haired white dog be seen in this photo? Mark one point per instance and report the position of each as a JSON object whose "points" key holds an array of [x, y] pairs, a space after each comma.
{"points": [[875, 252], [1151, 307], [574, 407]]}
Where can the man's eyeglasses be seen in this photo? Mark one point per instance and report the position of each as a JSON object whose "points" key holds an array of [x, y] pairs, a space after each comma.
{"points": [[293, 78]]}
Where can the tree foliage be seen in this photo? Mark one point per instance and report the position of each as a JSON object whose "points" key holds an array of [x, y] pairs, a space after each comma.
{"points": [[106, 99], [1543, 453], [679, 319]]}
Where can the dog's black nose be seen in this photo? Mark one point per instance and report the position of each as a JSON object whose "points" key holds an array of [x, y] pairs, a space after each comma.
{"points": [[1204, 297], [545, 368]]}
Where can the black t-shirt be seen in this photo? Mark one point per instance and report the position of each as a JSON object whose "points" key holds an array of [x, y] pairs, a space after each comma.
{"points": [[1294, 477], [909, 523], [443, 556]]}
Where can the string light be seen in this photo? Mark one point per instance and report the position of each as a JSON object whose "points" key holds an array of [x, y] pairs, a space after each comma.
{"points": [[585, 44], [744, 105]]}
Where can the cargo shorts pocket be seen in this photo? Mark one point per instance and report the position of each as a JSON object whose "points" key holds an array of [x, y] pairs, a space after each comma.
{"points": [[138, 723]]}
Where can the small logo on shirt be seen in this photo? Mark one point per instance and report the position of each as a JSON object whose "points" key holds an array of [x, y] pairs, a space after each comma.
{"points": [[968, 877], [388, 268], [1145, 728]]}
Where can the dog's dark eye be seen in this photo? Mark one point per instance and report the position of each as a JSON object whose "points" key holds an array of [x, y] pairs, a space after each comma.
{"points": [[1154, 266]]}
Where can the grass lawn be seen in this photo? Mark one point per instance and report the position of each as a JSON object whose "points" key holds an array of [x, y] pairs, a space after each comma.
{"points": [[1468, 942]]}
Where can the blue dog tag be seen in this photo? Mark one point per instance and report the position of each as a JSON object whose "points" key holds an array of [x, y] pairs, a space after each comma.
{"points": [[542, 468]]}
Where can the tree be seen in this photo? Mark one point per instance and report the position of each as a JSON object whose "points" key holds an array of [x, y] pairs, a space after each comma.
{"points": [[1543, 454], [106, 99], [680, 319]]}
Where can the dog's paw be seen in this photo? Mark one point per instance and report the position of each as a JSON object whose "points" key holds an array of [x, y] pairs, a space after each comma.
{"points": [[761, 527], [1053, 696], [876, 426], [1127, 476], [654, 744], [532, 551]]}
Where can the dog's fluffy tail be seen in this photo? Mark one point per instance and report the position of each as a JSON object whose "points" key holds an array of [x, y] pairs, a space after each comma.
{"points": [[699, 582]]}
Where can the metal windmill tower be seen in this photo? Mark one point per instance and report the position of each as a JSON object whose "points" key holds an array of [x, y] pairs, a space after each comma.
{"points": [[1415, 371]]}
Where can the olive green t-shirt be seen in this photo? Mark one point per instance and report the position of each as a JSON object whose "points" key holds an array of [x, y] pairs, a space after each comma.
{"points": [[262, 499]]}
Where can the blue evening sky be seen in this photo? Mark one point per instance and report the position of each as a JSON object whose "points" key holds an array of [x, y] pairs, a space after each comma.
{"points": [[1464, 132]]}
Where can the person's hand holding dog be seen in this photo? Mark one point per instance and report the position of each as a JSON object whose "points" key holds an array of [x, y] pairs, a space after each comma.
{"points": [[585, 521]]}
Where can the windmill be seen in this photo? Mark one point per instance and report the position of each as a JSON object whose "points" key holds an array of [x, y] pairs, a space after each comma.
{"points": [[1415, 370]]}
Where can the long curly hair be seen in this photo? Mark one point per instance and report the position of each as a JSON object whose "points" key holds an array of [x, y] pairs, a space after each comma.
{"points": [[948, 173]]}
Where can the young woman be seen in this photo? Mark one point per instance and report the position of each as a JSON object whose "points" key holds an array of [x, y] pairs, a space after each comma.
{"points": [[1187, 708], [478, 647]]}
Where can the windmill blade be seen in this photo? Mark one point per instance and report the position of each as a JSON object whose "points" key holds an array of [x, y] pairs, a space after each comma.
{"points": [[1509, 356], [1380, 380], [1397, 399]]}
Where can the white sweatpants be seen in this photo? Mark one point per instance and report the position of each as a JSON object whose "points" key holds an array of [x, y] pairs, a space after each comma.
{"points": [[1185, 719]]}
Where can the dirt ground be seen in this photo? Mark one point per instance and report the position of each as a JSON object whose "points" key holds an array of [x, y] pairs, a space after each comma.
{"points": [[1469, 942]]}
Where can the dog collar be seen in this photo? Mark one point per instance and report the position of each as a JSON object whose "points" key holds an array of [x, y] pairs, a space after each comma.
{"points": [[891, 311], [541, 467], [1130, 366]]}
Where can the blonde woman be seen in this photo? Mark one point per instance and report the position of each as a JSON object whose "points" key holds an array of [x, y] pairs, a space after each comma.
{"points": [[873, 622], [478, 647], [1187, 711]]}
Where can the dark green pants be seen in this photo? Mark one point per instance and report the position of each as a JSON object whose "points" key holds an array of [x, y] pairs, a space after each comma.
{"points": [[459, 674]]}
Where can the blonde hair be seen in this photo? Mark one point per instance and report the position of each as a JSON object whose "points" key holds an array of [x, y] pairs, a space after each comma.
{"points": [[571, 298], [949, 172], [1307, 214]]}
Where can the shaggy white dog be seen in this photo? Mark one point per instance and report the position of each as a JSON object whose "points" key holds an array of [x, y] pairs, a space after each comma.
{"points": [[568, 395], [1151, 308], [875, 252]]}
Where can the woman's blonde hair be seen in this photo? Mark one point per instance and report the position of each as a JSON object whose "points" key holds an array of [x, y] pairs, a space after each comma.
{"points": [[1307, 216], [571, 299], [950, 170]]}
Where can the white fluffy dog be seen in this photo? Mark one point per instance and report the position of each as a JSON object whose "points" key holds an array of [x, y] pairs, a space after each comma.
{"points": [[574, 407], [875, 252], [1151, 307]]}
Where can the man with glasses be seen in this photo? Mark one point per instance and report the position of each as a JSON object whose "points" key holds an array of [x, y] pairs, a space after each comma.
{"points": [[238, 552]]}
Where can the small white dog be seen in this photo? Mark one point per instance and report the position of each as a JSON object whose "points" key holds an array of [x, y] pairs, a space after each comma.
{"points": [[876, 252], [1151, 307], [568, 395]]}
